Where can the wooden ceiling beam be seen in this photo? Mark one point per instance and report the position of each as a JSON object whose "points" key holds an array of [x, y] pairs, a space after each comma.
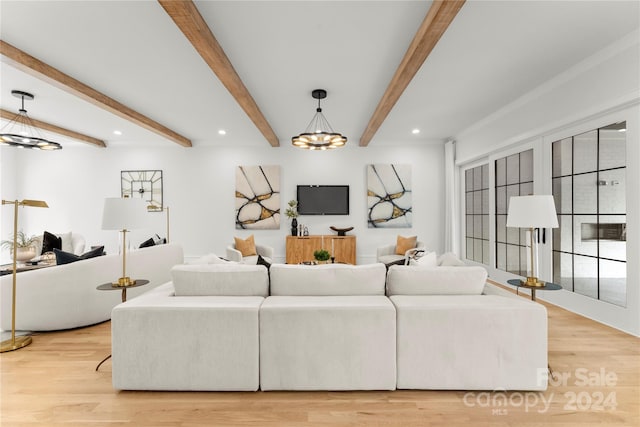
{"points": [[186, 16], [8, 115], [438, 18], [33, 66]]}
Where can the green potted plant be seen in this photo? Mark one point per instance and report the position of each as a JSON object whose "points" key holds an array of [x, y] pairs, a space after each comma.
{"points": [[292, 213], [321, 255], [25, 246]]}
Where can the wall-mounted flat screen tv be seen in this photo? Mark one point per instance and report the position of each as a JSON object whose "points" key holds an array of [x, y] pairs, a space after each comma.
{"points": [[323, 199]]}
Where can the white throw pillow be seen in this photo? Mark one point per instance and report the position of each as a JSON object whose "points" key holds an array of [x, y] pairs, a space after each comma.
{"points": [[407, 280], [429, 259], [210, 259], [228, 279], [450, 259], [67, 246]]}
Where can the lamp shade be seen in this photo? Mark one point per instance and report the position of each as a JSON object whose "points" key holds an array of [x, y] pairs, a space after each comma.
{"points": [[123, 213], [537, 211]]}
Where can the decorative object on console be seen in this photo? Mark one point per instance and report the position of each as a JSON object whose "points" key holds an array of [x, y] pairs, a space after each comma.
{"points": [[258, 197], [124, 214], [537, 211], [292, 212], [144, 184], [341, 231], [321, 255], [22, 245], [389, 203], [319, 135], [16, 343], [22, 132]]}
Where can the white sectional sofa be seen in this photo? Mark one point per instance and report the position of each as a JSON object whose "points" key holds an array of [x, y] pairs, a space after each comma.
{"points": [[328, 327], [451, 337], [65, 296]]}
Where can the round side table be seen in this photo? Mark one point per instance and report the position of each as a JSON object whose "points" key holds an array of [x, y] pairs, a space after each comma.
{"points": [[548, 286]]}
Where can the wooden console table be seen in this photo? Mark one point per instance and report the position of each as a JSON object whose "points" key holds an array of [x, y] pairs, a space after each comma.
{"points": [[300, 249]]}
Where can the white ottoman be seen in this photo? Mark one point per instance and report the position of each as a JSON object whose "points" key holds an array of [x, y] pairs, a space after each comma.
{"points": [[327, 343], [163, 342], [470, 342]]}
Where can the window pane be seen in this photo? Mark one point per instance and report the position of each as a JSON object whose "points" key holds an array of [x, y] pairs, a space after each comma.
{"points": [[477, 178], [585, 276], [612, 191], [513, 259], [477, 226], [513, 169], [477, 250], [501, 200], [562, 194], [485, 252], [501, 171], [612, 148], [526, 189], [563, 270], [477, 202], [469, 226], [585, 194], [512, 190], [468, 177], [501, 228], [469, 203], [585, 235], [469, 248], [585, 155], [485, 227], [526, 166], [562, 157], [485, 202], [562, 236], [485, 176], [612, 234], [513, 235], [613, 282], [501, 256]]}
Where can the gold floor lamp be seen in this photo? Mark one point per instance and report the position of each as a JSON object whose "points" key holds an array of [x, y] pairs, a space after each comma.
{"points": [[16, 343]]}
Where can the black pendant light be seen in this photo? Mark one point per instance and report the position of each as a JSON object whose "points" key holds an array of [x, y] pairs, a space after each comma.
{"points": [[21, 132], [319, 135]]}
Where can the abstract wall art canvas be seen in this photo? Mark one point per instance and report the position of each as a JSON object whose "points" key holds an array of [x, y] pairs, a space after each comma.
{"points": [[258, 197], [389, 202]]}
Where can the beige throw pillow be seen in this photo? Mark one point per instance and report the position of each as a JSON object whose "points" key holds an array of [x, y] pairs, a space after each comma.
{"points": [[403, 244], [246, 247]]}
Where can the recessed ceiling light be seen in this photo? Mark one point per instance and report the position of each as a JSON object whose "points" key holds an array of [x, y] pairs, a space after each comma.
{"points": [[117, 132], [415, 131], [622, 130], [222, 132]]}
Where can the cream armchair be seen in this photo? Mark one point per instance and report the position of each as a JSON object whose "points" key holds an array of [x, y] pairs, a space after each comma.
{"points": [[387, 254], [265, 252]]}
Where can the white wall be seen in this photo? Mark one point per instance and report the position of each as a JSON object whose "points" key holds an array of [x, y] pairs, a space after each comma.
{"points": [[199, 186], [601, 90]]}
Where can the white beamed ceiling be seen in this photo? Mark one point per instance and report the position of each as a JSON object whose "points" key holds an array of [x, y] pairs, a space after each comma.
{"points": [[493, 53]]}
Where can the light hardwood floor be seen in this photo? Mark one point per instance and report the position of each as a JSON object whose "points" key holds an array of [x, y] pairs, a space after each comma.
{"points": [[53, 383]]}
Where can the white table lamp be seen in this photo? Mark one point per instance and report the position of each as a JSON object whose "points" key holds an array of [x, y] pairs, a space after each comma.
{"points": [[538, 211], [124, 214]]}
